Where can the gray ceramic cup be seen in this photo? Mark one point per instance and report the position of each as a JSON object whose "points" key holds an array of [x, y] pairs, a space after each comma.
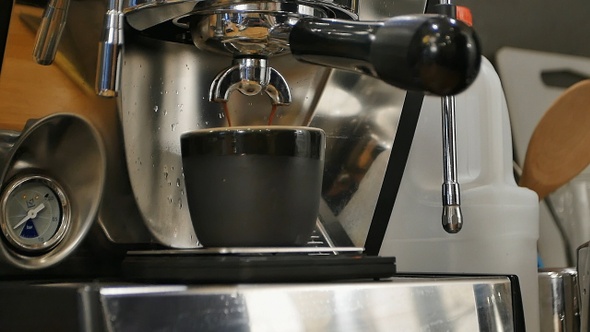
{"points": [[253, 186]]}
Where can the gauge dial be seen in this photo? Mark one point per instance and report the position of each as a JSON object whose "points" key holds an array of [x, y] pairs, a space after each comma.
{"points": [[36, 214]]}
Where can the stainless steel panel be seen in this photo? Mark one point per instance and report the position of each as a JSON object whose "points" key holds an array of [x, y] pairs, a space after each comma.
{"points": [[144, 14], [395, 305], [7, 140], [68, 149], [359, 115], [558, 300], [583, 269], [398, 304], [164, 93]]}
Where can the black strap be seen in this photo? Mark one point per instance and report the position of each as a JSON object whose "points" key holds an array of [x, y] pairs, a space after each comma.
{"points": [[394, 171], [5, 11]]}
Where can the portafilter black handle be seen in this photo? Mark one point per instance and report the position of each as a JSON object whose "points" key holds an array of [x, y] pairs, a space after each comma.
{"points": [[430, 53]]}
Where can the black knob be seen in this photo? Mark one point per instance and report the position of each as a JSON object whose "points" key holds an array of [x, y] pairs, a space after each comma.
{"points": [[430, 53]]}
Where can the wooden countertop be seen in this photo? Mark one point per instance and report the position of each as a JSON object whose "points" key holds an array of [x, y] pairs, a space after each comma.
{"points": [[29, 90]]}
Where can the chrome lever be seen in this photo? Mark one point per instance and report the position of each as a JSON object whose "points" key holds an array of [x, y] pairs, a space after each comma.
{"points": [[50, 31], [109, 51]]}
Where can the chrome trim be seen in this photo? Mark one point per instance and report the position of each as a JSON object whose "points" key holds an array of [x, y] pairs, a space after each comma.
{"points": [[65, 222], [251, 250], [558, 300], [109, 51], [50, 31], [144, 14], [452, 218], [402, 303]]}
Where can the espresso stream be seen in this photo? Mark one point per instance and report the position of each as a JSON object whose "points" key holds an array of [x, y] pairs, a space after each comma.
{"points": [[271, 117]]}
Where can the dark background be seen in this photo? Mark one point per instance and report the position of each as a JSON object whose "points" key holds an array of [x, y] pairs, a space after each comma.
{"points": [[543, 25]]}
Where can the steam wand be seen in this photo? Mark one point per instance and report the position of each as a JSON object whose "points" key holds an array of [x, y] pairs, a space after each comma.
{"points": [[452, 217]]}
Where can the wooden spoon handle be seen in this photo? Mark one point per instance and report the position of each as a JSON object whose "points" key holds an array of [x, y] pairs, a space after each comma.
{"points": [[559, 148]]}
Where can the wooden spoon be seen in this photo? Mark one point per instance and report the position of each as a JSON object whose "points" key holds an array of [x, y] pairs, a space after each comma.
{"points": [[559, 148]]}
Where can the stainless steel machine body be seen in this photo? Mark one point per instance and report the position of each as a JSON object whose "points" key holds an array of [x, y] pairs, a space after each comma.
{"points": [[164, 91], [167, 86], [398, 304], [257, 36]]}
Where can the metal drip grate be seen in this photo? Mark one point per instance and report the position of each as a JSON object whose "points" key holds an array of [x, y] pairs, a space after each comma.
{"points": [[319, 244]]}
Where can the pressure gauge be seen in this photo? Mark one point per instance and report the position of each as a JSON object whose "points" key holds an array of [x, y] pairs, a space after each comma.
{"points": [[35, 214]]}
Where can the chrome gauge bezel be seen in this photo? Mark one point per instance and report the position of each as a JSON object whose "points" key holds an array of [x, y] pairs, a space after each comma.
{"points": [[65, 217]]}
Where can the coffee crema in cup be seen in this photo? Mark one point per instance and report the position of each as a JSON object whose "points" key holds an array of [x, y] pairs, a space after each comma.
{"points": [[253, 186]]}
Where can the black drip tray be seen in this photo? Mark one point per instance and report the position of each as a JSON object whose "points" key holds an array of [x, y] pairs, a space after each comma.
{"points": [[255, 268]]}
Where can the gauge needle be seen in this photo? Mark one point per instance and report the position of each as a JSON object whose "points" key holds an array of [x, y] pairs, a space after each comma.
{"points": [[30, 215]]}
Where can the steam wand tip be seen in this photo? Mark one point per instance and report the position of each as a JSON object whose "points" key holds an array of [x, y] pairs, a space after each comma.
{"points": [[452, 218]]}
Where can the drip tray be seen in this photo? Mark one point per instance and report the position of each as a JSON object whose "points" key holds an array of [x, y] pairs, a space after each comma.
{"points": [[253, 251], [238, 265]]}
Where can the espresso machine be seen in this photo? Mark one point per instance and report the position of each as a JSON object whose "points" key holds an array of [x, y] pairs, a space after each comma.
{"points": [[123, 241]]}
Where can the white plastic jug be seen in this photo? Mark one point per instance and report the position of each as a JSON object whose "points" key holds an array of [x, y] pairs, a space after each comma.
{"points": [[500, 229]]}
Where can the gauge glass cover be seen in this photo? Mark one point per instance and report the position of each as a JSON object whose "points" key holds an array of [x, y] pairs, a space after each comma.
{"points": [[35, 213]]}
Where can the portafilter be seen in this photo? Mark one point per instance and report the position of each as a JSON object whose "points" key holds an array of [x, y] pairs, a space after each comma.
{"points": [[431, 53]]}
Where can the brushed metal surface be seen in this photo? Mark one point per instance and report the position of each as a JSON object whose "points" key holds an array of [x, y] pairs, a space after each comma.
{"points": [[393, 305], [144, 14], [69, 149], [583, 270], [414, 303], [164, 93], [558, 300]]}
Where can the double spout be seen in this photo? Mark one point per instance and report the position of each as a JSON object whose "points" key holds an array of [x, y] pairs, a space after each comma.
{"points": [[250, 76]]}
